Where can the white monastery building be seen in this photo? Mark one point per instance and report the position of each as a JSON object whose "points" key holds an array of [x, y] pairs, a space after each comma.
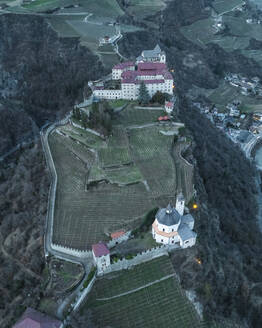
{"points": [[171, 226], [149, 68], [101, 256]]}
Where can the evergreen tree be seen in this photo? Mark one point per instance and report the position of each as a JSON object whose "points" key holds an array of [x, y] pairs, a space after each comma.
{"points": [[76, 113], [84, 119], [159, 98], [143, 97]]}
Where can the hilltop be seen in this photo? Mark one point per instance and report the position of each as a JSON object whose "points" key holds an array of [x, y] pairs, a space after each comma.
{"points": [[228, 282]]}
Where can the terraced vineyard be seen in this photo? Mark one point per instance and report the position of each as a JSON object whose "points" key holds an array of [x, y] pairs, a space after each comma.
{"points": [[105, 185], [162, 304], [83, 217], [152, 155], [138, 276]]}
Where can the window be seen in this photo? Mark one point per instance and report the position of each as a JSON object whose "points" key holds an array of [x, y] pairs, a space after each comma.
{"points": [[172, 230], [163, 229], [162, 240], [172, 241]]}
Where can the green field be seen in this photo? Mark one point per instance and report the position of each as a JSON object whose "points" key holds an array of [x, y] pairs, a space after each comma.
{"points": [[132, 116], [227, 93], [143, 8], [202, 33], [162, 304], [223, 6], [106, 8]]}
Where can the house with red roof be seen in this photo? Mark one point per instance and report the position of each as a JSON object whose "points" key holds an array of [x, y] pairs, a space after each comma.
{"points": [[101, 256], [118, 237], [169, 105], [35, 319], [120, 68]]}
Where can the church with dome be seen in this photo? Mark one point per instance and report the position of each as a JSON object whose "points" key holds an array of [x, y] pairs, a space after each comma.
{"points": [[171, 226]]}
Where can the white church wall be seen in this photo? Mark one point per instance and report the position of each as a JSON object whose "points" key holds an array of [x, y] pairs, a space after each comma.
{"points": [[188, 243]]}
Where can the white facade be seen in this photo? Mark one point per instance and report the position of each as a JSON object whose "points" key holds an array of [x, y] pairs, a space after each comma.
{"points": [[102, 262], [153, 72], [180, 204], [117, 70], [108, 94], [172, 227]]}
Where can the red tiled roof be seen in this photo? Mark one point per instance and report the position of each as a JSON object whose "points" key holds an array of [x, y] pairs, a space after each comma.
{"points": [[100, 249], [99, 87], [163, 118], [117, 234], [34, 319], [151, 81], [151, 66], [123, 65], [169, 104]]}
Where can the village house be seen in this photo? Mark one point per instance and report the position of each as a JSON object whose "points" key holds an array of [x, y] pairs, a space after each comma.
{"points": [[101, 256], [169, 105], [149, 69], [118, 237], [171, 226], [35, 319]]}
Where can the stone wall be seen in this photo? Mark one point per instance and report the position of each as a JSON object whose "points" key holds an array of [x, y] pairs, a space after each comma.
{"points": [[71, 251], [145, 256]]}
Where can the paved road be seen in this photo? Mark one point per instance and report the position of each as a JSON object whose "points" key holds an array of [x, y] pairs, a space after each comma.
{"points": [[247, 148]]}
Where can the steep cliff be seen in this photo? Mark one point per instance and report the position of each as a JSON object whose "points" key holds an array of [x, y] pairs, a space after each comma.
{"points": [[41, 76]]}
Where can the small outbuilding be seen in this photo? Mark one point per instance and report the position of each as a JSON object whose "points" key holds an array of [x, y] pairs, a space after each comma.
{"points": [[169, 105], [101, 255]]}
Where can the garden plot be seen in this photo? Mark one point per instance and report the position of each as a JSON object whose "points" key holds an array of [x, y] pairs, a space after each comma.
{"points": [[161, 304]]}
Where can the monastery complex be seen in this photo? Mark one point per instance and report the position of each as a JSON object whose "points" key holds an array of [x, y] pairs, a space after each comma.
{"points": [[150, 68]]}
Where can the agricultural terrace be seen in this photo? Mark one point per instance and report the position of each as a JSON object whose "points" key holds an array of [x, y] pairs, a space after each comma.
{"points": [[143, 8], [158, 302], [88, 20], [227, 93], [105, 185], [224, 6], [237, 35], [202, 32]]}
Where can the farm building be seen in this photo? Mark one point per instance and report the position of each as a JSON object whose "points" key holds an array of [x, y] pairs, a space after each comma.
{"points": [[101, 255], [118, 237], [171, 226], [34, 319], [154, 74]]}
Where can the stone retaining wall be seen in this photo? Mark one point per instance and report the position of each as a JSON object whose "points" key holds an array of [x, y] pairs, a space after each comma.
{"points": [[71, 251], [145, 256]]}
